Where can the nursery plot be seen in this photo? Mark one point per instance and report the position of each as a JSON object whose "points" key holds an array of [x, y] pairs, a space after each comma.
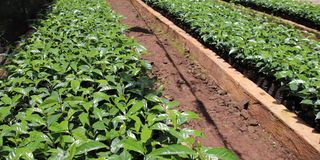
{"points": [[78, 89], [299, 11], [223, 121], [282, 55]]}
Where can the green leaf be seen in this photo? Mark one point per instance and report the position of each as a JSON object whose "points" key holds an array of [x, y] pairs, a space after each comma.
{"points": [[115, 145], [99, 96], [318, 116], [87, 106], [174, 149], [39, 136], [6, 100], [133, 145], [24, 153], [307, 102], [151, 119], [23, 91], [37, 98], [145, 134], [153, 98], [90, 146], [53, 99], [71, 112], [294, 84], [53, 118], [79, 134], [74, 99], [67, 139], [1, 141], [72, 151], [125, 155], [99, 126], [173, 104], [140, 48], [75, 85], [58, 154], [84, 118], [233, 50], [98, 113], [146, 65], [185, 116], [4, 112], [35, 118], [160, 126], [283, 74], [59, 127], [137, 124], [117, 120], [136, 107], [222, 153]]}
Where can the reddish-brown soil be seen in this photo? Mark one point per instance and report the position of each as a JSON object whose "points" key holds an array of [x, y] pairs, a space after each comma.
{"points": [[223, 121]]}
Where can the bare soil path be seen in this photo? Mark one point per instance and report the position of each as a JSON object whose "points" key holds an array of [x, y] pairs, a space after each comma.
{"points": [[224, 122]]}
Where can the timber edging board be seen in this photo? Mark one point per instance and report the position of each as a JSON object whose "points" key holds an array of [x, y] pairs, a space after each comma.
{"points": [[275, 118]]}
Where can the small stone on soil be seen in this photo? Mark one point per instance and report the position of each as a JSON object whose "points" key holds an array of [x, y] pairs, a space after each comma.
{"points": [[213, 87], [253, 122], [180, 81], [222, 92], [251, 129], [244, 114], [197, 75], [203, 77], [274, 144], [243, 128]]}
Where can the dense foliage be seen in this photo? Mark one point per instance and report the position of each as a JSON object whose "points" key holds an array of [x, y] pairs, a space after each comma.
{"points": [[77, 89], [299, 10], [272, 49]]}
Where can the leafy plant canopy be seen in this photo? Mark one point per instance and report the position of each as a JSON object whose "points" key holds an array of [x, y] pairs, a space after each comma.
{"points": [[77, 89], [297, 9]]}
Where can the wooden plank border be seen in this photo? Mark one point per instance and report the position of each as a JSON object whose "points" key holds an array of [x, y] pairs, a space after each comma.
{"points": [[275, 118]]}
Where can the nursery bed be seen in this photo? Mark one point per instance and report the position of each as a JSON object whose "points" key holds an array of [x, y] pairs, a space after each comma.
{"points": [[298, 137]]}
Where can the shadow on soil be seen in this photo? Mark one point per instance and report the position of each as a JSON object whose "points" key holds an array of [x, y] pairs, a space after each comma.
{"points": [[140, 29]]}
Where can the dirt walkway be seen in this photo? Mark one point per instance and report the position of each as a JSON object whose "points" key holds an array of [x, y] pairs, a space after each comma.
{"points": [[224, 122]]}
